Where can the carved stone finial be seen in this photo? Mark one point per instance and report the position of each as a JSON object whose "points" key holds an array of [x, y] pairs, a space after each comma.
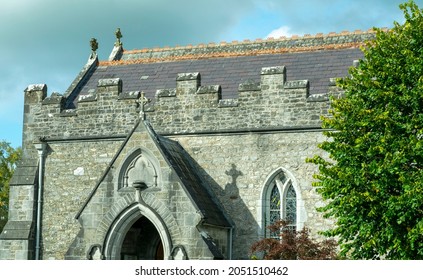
{"points": [[94, 45], [118, 36]]}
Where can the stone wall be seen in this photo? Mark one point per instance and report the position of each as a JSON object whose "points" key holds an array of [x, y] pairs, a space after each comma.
{"points": [[237, 166], [74, 169], [235, 143]]}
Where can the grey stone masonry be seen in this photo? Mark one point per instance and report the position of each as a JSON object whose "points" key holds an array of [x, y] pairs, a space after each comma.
{"points": [[273, 103], [17, 238]]}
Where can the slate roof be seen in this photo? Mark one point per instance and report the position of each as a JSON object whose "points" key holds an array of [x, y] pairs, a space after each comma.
{"points": [[314, 59]]}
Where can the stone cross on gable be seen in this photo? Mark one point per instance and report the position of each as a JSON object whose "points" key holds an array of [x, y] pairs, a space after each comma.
{"points": [[118, 36], [94, 47], [143, 101]]}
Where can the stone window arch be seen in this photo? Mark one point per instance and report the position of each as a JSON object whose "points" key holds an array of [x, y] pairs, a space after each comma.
{"points": [[123, 222], [140, 165], [281, 199]]}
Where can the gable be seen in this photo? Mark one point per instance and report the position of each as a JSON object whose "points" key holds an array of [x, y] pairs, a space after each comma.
{"points": [[184, 167], [153, 154]]}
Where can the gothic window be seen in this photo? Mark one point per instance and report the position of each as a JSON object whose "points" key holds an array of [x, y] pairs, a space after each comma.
{"points": [[275, 208], [275, 202], [290, 206], [138, 167], [280, 203]]}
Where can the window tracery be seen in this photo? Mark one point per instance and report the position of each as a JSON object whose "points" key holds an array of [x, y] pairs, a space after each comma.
{"points": [[280, 203]]}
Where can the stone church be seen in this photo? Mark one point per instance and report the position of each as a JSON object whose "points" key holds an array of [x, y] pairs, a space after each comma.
{"points": [[175, 153]]}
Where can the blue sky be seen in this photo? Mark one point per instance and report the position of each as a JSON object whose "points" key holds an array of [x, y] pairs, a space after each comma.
{"points": [[47, 41]]}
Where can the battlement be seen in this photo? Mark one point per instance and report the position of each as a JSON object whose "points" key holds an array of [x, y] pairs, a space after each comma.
{"points": [[188, 90], [271, 79], [190, 107]]}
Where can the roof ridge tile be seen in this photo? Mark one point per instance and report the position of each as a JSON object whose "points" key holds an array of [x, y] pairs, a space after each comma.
{"points": [[146, 60], [258, 40], [292, 44]]}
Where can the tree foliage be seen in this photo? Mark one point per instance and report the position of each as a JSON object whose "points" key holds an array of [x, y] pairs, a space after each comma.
{"points": [[8, 159], [372, 179], [293, 245]]}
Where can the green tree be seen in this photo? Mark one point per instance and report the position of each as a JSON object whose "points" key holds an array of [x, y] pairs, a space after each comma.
{"points": [[8, 159], [372, 178]]}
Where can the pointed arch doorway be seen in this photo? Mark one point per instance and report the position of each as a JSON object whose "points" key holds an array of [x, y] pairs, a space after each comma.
{"points": [[142, 242], [137, 234]]}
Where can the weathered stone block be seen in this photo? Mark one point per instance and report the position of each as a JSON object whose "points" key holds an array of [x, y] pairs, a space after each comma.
{"points": [[35, 93], [296, 84], [165, 93], [109, 85], [249, 86], [323, 97], [273, 70], [224, 103], [209, 89], [91, 96], [188, 77], [55, 99], [68, 113]]}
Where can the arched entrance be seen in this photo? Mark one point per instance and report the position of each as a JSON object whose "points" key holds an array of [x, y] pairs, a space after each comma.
{"points": [[137, 233], [142, 242]]}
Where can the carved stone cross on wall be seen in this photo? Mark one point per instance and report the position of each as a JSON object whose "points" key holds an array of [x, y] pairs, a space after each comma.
{"points": [[143, 101]]}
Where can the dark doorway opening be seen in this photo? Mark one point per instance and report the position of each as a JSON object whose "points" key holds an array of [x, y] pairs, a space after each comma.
{"points": [[142, 242]]}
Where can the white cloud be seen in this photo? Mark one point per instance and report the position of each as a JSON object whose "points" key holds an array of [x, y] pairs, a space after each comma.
{"points": [[283, 31]]}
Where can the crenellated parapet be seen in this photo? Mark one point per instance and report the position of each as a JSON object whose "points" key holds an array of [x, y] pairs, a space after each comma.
{"points": [[271, 103]]}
